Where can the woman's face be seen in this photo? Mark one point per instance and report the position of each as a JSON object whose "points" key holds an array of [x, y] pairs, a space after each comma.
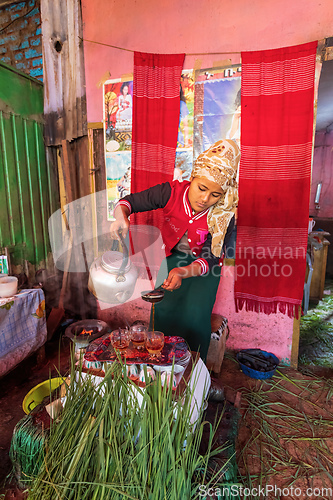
{"points": [[125, 90], [203, 193]]}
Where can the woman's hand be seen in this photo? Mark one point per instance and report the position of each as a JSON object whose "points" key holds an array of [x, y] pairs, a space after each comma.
{"points": [[174, 279], [121, 223], [177, 274]]}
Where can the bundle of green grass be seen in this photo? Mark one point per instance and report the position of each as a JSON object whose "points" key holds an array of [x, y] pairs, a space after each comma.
{"points": [[118, 441], [27, 450]]}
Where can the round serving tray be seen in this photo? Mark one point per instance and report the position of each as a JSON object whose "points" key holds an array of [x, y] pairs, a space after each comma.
{"points": [[175, 349]]}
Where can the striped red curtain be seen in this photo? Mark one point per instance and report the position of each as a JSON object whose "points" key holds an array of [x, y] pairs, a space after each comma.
{"points": [[156, 105], [274, 179]]}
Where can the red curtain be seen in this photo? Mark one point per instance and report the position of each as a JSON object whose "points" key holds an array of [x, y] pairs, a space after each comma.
{"points": [[274, 179], [156, 105]]}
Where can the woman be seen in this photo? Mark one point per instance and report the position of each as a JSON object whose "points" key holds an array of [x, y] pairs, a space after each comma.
{"points": [[198, 221], [124, 103]]}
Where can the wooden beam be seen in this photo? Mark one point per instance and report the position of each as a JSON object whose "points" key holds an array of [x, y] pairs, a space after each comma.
{"points": [[295, 342]]}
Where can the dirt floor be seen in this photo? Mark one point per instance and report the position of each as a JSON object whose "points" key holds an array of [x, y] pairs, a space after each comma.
{"points": [[285, 434], [14, 387]]}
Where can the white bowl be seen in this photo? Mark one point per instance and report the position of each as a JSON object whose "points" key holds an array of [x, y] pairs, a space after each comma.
{"points": [[176, 369], [150, 375], [96, 365], [167, 377], [8, 286]]}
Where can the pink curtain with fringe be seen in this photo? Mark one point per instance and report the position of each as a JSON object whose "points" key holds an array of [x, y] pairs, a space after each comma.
{"points": [[274, 179]]}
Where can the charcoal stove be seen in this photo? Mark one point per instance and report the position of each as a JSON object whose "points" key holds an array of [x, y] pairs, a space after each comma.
{"points": [[83, 332]]}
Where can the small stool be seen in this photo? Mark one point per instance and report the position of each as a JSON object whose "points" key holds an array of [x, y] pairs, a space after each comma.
{"points": [[220, 333]]}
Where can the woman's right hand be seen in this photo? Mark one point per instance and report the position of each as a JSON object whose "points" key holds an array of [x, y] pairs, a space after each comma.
{"points": [[119, 225], [122, 223]]}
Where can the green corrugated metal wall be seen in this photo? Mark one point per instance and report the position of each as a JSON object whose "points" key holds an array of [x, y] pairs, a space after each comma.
{"points": [[28, 191]]}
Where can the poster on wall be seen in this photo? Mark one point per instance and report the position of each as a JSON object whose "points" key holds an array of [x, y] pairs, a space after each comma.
{"points": [[184, 151], [118, 106], [217, 107]]}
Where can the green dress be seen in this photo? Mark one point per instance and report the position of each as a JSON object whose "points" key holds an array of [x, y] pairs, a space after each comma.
{"points": [[187, 311]]}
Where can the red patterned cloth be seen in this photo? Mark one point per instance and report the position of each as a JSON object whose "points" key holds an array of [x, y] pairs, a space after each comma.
{"points": [[156, 106], [274, 178]]}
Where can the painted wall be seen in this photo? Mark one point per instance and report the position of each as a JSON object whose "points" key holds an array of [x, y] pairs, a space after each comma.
{"points": [[210, 32], [273, 333], [197, 27], [21, 37]]}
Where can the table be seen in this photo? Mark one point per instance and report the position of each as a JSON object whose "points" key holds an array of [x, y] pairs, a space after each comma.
{"points": [[196, 377], [22, 327]]}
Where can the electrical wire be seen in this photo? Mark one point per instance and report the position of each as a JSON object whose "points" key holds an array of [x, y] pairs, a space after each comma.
{"points": [[130, 50]]}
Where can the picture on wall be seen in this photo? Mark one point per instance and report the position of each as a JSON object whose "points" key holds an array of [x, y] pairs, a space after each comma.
{"points": [[118, 106], [217, 107], [184, 154], [118, 178]]}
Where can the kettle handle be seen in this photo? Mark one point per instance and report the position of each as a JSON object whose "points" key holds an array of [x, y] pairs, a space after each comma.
{"points": [[125, 256]]}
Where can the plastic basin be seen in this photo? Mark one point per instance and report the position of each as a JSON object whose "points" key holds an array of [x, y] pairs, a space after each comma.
{"points": [[8, 286], [36, 395], [251, 372]]}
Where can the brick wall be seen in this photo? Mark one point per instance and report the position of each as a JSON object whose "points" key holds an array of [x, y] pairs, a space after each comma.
{"points": [[21, 37]]}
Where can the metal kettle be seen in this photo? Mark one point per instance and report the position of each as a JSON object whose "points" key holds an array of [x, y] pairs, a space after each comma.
{"points": [[112, 276]]}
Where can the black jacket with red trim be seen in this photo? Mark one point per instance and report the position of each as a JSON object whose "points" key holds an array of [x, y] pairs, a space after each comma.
{"points": [[179, 218]]}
